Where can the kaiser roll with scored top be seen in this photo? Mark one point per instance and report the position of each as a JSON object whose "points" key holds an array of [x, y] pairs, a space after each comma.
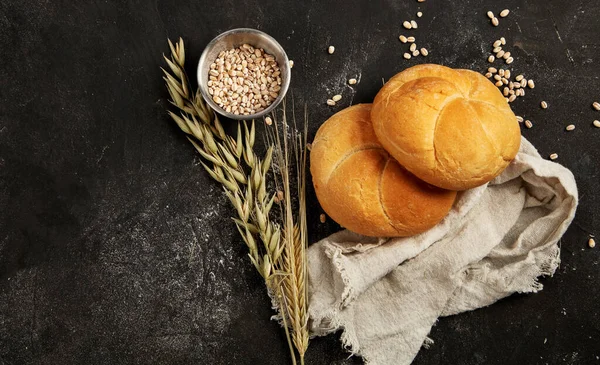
{"points": [[451, 128], [363, 188]]}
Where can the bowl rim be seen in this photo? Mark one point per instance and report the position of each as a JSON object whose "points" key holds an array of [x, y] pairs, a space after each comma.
{"points": [[284, 63]]}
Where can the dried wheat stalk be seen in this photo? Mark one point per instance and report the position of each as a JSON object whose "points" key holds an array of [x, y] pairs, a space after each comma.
{"points": [[281, 258], [292, 169]]}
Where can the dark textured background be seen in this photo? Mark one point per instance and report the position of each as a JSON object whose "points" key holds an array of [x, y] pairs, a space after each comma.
{"points": [[114, 243]]}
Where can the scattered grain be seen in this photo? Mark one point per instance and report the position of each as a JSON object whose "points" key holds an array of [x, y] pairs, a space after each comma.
{"points": [[528, 124], [503, 41], [413, 24], [591, 243], [512, 98], [498, 77], [492, 70], [407, 24], [413, 47], [416, 52], [352, 82], [490, 15], [322, 218], [570, 127], [331, 49], [510, 60], [596, 105], [491, 59], [519, 119], [519, 78], [497, 49], [330, 102], [419, 14], [407, 56], [497, 43], [507, 74], [424, 52], [268, 120], [411, 39], [279, 197], [504, 13], [495, 22], [499, 83], [488, 75], [531, 85], [403, 39], [336, 97], [291, 63], [506, 55], [500, 53], [596, 123], [554, 156], [505, 91]]}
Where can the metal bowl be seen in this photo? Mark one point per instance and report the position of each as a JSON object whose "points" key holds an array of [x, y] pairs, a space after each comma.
{"points": [[232, 39]]}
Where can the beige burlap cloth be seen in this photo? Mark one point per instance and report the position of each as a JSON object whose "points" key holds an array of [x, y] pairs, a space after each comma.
{"points": [[386, 294]]}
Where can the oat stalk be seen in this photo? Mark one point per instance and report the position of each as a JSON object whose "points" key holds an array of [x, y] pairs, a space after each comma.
{"points": [[278, 252]]}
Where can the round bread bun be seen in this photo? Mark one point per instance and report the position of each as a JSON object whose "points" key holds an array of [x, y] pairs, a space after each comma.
{"points": [[451, 128], [360, 186]]}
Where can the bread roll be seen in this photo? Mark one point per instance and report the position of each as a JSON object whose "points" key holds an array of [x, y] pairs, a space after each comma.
{"points": [[451, 128], [365, 190]]}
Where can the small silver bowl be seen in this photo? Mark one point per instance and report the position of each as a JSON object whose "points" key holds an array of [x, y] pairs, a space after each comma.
{"points": [[232, 39]]}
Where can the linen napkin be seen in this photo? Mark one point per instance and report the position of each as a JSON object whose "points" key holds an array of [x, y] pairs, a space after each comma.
{"points": [[386, 293]]}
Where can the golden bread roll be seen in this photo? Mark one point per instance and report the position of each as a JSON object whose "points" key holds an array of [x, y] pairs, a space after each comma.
{"points": [[360, 186], [451, 128]]}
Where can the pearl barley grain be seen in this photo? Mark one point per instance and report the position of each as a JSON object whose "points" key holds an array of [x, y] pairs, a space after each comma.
{"points": [[331, 49], [570, 127], [495, 22], [596, 105], [544, 105], [591, 243], [424, 52], [596, 123], [336, 98], [403, 39], [419, 14], [322, 218], [554, 156], [245, 80], [268, 120], [504, 13], [491, 59], [407, 24], [352, 82]]}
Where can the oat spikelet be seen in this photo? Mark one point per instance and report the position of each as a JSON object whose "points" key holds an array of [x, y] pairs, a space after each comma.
{"points": [[278, 252]]}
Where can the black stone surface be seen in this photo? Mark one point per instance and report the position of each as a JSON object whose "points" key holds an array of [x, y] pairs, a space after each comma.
{"points": [[114, 243]]}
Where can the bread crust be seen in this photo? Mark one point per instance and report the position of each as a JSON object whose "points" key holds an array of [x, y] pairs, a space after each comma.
{"points": [[363, 188], [451, 128]]}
